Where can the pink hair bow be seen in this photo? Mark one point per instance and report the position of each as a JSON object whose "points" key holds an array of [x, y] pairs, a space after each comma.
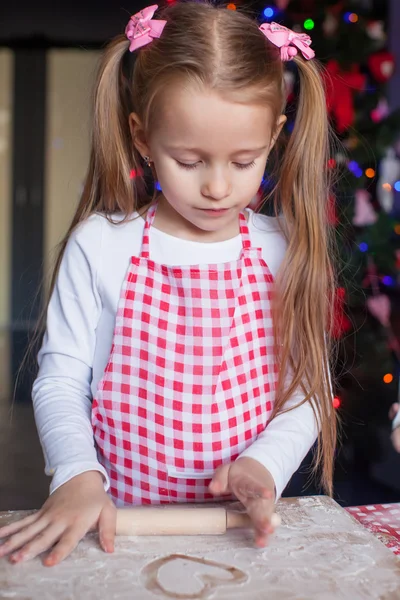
{"points": [[288, 41], [142, 29]]}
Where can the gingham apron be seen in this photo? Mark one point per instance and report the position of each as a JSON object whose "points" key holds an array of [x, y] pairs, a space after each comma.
{"points": [[191, 377]]}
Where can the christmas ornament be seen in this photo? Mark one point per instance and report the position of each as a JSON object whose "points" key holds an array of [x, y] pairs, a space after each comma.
{"points": [[340, 158], [289, 78], [379, 306], [330, 25], [331, 211], [381, 111], [364, 213], [282, 4], [341, 324], [376, 31], [397, 258], [351, 142], [389, 173], [381, 65], [340, 87]]}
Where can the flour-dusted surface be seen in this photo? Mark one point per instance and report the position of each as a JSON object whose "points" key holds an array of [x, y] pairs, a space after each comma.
{"points": [[319, 552]]}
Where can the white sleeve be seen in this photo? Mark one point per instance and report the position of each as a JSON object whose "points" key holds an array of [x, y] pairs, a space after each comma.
{"points": [[62, 393], [285, 442], [396, 421]]}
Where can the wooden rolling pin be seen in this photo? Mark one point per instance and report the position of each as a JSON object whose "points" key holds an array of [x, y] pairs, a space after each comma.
{"points": [[175, 520]]}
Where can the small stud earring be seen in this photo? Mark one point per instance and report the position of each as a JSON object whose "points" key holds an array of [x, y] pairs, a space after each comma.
{"points": [[147, 160]]}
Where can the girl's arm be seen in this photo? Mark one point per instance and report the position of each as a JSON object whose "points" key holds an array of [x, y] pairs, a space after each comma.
{"points": [[396, 420], [394, 415], [62, 392], [285, 442]]}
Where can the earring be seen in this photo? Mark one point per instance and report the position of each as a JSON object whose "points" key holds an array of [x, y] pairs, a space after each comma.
{"points": [[147, 160]]}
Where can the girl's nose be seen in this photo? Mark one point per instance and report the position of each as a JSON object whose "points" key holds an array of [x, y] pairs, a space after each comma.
{"points": [[217, 185]]}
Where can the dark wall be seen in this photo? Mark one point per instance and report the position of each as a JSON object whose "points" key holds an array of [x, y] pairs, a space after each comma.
{"points": [[87, 22]]}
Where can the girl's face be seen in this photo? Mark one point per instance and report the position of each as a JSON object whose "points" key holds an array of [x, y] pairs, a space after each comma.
{"points": [[209, 155]]}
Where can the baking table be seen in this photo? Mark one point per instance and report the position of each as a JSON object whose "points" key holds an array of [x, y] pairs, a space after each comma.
{"points": [[320, 552]]}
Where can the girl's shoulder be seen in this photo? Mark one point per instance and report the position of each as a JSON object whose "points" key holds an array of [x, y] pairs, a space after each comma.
{"points": [[267, 233], [264, 223], [100, 224]]}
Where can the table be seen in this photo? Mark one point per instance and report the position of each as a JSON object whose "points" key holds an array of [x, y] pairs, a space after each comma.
{"points": [[320, 552], [383, 520]]}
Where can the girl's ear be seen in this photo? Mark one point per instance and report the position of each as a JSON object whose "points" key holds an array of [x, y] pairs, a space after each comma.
{"points": [[138, 135], [279, 124]]}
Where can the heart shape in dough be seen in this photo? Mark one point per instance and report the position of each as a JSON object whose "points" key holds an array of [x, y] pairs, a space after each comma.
{"points": [[174, 580]]}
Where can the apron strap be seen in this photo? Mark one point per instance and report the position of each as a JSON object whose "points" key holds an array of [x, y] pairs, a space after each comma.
{"points": [[244, 231], [145, 253], [151, 213]]}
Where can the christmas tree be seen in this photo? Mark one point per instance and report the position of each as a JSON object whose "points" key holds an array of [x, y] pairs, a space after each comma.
{"points": [[350, 39]]}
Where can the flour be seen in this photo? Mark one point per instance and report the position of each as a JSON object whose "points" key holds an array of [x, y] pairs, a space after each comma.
{"points": [[318, 553]]}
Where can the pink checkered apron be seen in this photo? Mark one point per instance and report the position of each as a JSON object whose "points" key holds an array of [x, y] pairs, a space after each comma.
{"points": [[191, 377]]}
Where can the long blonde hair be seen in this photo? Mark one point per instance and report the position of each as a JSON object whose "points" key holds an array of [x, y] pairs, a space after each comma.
{"points": [[225, 51]]}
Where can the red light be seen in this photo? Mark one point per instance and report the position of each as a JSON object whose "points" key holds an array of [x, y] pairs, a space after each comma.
{"points": [[336, 402], [136, 173]]}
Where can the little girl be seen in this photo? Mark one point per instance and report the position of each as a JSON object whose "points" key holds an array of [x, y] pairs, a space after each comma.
{"points": [[394, 415], [186, 349]]}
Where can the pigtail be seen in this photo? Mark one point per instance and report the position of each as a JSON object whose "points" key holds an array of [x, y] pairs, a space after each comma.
{"points": [[114, 156], [305, 284], [109, 185], [114, 181]]}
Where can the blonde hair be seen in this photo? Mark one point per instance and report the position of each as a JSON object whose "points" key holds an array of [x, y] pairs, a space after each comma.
{"points": [[225, 51]]}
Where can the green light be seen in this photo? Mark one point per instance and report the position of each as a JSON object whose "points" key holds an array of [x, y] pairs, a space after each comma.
{"points": [[309, 24]]}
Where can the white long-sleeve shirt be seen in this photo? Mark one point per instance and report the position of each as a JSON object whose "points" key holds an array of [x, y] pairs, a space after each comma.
{"points": [[77, 342]]}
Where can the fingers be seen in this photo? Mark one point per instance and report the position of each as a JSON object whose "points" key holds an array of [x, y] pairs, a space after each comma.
{"points": [[67, 543], [259, 503], [396, 439], [21, 537], [394, 409], [12, 528], [107, 528], [42, 541], [220, 482]]}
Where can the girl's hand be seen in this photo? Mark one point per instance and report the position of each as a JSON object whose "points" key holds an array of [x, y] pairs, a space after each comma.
{"points": [[67, 515], [254, 486], [394, 409]]}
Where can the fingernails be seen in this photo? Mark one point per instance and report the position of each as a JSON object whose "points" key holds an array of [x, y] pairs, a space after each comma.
{"points": [[14, 558], [107, 546], [49, 561]]}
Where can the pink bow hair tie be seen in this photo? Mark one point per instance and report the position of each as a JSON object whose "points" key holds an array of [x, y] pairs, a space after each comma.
{"points": [[142, 29], [288, 41]]}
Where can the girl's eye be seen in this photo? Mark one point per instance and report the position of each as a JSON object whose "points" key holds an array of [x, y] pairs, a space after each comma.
{"points": [[190, 166], [187, 166], [245, 166]]}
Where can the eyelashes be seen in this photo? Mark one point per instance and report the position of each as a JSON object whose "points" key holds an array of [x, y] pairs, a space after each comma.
{"points": [[240, 166]]}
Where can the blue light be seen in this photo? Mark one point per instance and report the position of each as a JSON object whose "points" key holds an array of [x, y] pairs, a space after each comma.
{"points": [[346, 17], [158, 186], [353, 165], [269, 12], [363, 247], [358, 172], [397, 186], [387, 280]]}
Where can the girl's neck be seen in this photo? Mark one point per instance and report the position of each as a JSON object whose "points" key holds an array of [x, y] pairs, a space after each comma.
{"points": [[169, 221]]}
